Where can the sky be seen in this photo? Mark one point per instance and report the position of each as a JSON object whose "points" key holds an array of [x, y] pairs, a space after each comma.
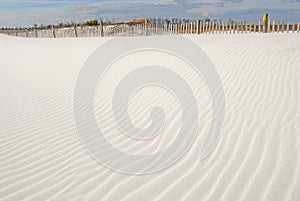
{"points": [[24, 13]]}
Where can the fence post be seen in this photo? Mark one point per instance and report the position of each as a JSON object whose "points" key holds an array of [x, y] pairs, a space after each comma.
{"points": [[75, 30], [265, 22], [282, 27], [293, 27], [288, 27], [254, 28], [200, 26], [101, 29], [298, 27], [36, 33], [259, 26], [269, 26], [146, 27], [278, 26], [273, 26], [53, 32]]}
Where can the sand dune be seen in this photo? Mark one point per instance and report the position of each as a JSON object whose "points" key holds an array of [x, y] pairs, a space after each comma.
{"points": [[257, 157]]}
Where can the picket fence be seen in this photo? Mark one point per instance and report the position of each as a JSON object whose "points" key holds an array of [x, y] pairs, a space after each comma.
{"points": [[148, 29]]}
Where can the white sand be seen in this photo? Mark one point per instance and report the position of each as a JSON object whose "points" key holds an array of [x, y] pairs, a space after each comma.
{"points": [[257, 157]]}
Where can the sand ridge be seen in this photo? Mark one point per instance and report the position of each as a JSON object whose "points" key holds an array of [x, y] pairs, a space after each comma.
{"points": [[257, 157]]}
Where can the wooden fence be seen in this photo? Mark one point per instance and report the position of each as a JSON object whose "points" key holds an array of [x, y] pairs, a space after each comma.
{"points": [[147, 29]]}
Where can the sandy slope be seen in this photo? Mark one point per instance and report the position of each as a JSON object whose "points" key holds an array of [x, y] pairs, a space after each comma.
{"points": [[257, 158]]}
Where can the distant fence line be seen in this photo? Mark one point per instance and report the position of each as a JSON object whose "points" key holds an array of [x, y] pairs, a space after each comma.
{"points": [[147, 29]]}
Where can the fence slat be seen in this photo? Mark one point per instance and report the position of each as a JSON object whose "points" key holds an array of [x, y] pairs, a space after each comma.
{"points": [[242, 27], [293, 27], [223, 27], [209, 27], [53, 32], [234, 27], [200, 27]]}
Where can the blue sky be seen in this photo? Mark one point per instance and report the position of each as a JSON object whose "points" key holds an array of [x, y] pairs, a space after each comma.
{"points": [[27, 12]]}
